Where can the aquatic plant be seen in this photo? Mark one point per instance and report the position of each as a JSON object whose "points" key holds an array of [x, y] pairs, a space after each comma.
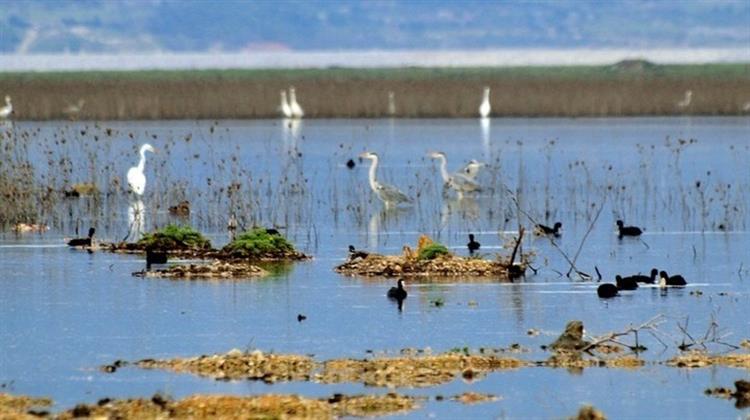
{"points": [[174, 237], [432, 251], [259, 242]]}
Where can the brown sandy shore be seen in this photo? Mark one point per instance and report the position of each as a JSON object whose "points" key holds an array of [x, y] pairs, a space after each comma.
{"points": [[624, 89]]}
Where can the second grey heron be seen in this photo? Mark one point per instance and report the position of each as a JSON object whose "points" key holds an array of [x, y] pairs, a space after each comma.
{"points": [[471, 170], [457, 181], [388, 194], [296, 109]]}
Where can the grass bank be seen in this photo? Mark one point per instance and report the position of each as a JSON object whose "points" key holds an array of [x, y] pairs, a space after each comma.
{"points": [[626, 88]]}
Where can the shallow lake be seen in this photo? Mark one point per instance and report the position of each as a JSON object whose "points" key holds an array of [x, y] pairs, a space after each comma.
{"points": [[686, 181]]}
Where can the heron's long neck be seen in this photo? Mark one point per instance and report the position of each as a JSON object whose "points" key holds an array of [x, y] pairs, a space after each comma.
{"points": [[142, 163], [292, 97], [486, 95], [373, 167], [444, 169]]}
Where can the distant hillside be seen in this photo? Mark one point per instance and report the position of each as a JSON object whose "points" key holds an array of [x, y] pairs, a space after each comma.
{"points": [[156, 25]]}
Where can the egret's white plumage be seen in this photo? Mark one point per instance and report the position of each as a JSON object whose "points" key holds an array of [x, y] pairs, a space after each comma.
{"points": [[72, 110], [457, 181], [6, 110], [485, 109], [685, 102], [136, 177], [391, 103], [297, 111], [388, 194], [286, 110]]}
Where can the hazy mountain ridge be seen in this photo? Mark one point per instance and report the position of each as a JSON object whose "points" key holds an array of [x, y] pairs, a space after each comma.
{"points": [[137, 26]]}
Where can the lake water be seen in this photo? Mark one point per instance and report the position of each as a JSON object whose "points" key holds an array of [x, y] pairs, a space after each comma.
{"points": [[686, 181]]}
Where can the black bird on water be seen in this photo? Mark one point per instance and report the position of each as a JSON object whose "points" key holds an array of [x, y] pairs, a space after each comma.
{"points": [[301, 317], [399, 292], [155, 257], [606, 290], [627, 230], [473, 245], [666, 280], [541, 229], [627, 283], [83, 241], [354, 254], [640, 278], [350, 164]]}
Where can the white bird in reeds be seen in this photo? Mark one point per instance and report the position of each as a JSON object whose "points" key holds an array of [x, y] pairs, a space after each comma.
{"points": [[685, 102], [746, 106], [136, 177], [471, 170], [388, 194], [457, 181], [72, 110], [6, 110], [297, 111], [391, 103], [286, 110], [485, 109]]}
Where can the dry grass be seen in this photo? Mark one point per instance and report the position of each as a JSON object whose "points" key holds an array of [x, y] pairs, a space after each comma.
{"points": [[352, 93], [19, 406], [699, 359]]}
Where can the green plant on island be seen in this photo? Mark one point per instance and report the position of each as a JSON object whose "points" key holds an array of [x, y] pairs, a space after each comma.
{"points": [[174, 237], [432, 251], [259, 243]]}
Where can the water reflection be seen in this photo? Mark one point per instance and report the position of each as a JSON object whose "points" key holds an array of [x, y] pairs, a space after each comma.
{"points": [[484, 124], [136, 220], [381, 221], [465, 207]]}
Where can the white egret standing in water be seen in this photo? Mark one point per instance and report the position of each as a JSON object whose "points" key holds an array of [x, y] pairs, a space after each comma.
{"points": [[286, 110], [136, 177], [391, 103], [685, 102], [485, 108], [388, 194], [6, 110], [297, 111], [458, 181]]}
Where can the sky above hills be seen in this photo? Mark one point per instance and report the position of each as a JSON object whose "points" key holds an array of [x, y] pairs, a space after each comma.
{"points": [[106, 26]]}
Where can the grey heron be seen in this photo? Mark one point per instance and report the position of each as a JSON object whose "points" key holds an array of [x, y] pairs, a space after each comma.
{"points": [[457, 181], [485, 109], [388, 194], [471, 170]]}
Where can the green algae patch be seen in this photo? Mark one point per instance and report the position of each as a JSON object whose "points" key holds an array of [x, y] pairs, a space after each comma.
{"points": [[432, 251], [174, 237]]}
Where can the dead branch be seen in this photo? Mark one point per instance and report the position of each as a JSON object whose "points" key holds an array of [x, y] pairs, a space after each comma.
{"points": [[650, 325]]}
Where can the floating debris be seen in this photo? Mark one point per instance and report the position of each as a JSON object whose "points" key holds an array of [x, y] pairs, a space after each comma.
{"points": [[22, 407], [474, 398], [588, 412], [181, 209], [30, 228], [237, 364], [413, 371], [207, 271], [741, 393], [81, 190], [237, 407], [699, 359]]}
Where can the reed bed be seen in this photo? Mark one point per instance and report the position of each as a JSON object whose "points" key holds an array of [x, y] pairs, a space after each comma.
{"points": [[619, 90]]}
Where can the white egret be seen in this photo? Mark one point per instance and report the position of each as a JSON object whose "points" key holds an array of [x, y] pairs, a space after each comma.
{"points": [[685, 102], [6, 110], [485, 109], [286, 110], [297, 111], [457, 181], [72, 110], [391, 103], [388, 194], [136, 177]]}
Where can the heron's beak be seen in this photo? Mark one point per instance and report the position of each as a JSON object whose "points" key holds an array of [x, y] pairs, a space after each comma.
{"points": [[364, 155]]}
